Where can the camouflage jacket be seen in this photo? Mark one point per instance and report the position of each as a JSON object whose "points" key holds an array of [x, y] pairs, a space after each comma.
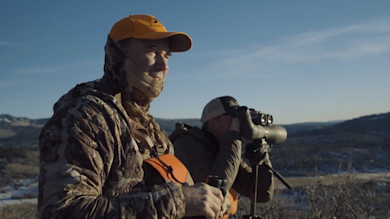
{"points": [[203, 156], [91, 167]]}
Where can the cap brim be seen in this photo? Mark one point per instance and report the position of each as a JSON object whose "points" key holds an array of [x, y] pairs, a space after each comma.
{"points": [[178, 41], [233, 110]]}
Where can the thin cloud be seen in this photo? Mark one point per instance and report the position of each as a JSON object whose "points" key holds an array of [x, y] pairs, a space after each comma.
{"points": [[37, 70], [7, 43], [69, 67], [3, 43], [7, 84], [311, 37], [343, 43]]}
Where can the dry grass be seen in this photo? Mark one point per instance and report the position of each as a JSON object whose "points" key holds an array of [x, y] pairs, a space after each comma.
{"points": [[336, 196], [20, 211]]}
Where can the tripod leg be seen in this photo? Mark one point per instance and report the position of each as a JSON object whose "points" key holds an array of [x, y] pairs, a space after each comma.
{"points": [[253, 199], [280, 177]]}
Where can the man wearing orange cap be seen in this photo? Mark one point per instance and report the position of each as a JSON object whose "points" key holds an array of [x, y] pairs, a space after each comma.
{"points": [[93, 148]]}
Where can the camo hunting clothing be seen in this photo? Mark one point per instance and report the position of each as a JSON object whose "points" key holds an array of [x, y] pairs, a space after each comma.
{"points": [[91, 161], [203, 156]]}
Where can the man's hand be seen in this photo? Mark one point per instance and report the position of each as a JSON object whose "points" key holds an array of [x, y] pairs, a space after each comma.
{"points": [[225, 207], [203, 200]]}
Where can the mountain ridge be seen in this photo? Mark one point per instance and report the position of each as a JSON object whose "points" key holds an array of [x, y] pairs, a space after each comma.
{"points": [[11, 125]]}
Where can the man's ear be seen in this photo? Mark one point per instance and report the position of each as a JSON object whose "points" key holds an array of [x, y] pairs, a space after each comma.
{"points": [[212, 124]]}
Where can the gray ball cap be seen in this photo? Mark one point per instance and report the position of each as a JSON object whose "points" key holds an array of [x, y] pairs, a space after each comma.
{"points": [[219, 106]]}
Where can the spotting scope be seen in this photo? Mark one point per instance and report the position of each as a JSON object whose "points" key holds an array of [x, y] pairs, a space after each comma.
{"points": [[260, 126]]}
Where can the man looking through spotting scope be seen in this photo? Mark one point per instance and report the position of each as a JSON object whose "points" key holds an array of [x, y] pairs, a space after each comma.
{"points": [[95, 149], [215, 151]]}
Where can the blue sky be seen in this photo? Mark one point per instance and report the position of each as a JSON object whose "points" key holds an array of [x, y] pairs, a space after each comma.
{"points": [[298, 60]]}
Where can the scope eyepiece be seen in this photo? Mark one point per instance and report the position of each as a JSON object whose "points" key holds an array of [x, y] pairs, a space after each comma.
{"points": [[260, 126], [270, 119]]}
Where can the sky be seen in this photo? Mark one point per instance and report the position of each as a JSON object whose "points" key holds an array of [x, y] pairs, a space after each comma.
{"points": [[301, 61]]}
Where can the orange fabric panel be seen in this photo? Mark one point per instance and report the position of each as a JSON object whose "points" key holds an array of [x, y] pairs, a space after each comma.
{"points": [[178, 170], [233, 199], [232, 196]]}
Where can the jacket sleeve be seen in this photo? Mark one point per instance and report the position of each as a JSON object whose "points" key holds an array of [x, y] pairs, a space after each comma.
{"points": [[227, 161], [90, 169], [200, 161]]}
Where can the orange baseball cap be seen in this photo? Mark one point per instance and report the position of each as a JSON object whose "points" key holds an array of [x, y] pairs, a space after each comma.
{"points": [[147, 27]]}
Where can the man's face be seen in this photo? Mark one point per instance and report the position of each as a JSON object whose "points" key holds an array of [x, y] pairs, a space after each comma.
{"points": [[151, 56], [220, 125]]}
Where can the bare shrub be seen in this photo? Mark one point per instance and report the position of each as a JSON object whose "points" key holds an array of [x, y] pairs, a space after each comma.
{"points": [[20, 171], [345, 197], [349, 198], [22, 211]]}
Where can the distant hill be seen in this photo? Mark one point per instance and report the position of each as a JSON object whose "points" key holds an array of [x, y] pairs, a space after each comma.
{"points": [[25, 129], [377, 124], [21, 130], [360, 144], [297, 127], [168, 125]]}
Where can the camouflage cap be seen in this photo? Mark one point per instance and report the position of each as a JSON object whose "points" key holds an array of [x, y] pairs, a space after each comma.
{"points": [[219, 106]]}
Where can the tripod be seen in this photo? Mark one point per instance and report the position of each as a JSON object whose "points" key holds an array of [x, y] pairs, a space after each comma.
{"points": [[254, 154]]}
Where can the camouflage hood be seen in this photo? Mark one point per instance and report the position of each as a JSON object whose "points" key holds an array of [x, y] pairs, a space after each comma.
{"points": [[135, 102], [125, 77]]}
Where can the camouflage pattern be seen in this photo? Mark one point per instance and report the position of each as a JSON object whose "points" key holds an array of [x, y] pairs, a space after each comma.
{"points": [[203, 156], [91, 164]]}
